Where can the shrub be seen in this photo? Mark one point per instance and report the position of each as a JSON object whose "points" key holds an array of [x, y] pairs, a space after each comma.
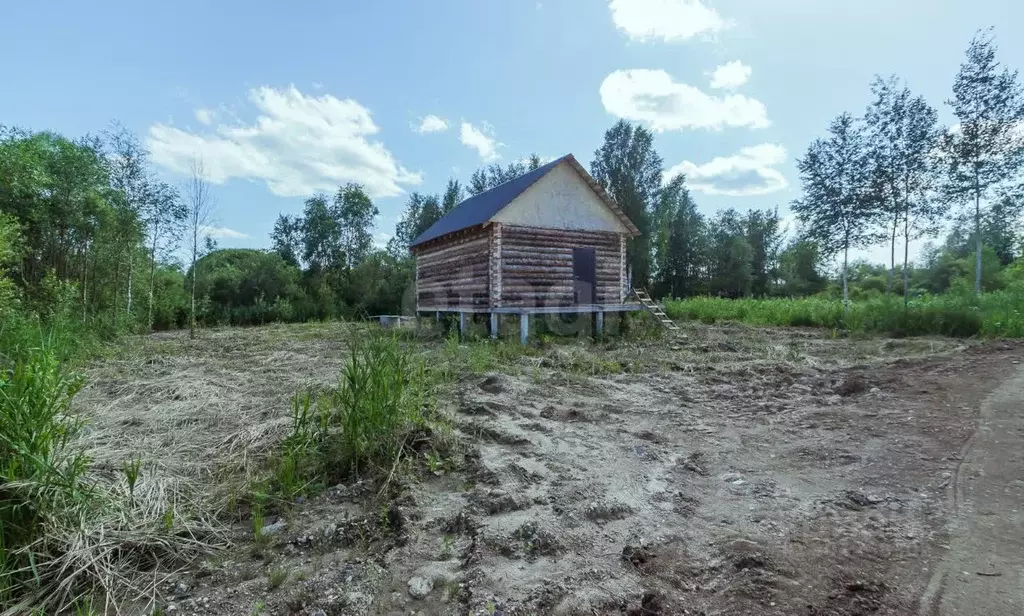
{"points": [[365, 424]]}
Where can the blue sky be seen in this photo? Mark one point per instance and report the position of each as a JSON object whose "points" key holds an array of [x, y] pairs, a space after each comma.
{"points": [[284, 99]]}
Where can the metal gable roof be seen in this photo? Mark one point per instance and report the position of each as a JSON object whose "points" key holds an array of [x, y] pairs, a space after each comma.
{"points": [[480, 208]]}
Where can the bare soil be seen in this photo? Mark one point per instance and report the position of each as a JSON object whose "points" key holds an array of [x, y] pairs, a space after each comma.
{"points": [[729, 470]]}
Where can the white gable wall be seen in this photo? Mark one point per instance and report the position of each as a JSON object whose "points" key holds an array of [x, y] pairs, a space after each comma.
{"points": [[561, 200]]}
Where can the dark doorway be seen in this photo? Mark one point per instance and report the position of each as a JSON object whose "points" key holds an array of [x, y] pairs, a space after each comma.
{"points": [[584, 275]]}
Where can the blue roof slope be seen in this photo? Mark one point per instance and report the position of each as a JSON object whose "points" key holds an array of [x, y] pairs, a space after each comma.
{"points": [[480, 208]]}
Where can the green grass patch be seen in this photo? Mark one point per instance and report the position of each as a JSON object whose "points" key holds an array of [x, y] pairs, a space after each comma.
{"points": [[42, 475], [995, 314], [382, 406]]}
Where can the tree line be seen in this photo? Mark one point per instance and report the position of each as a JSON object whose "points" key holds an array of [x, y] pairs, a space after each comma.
{"points": [[892, 175], [88, 231], [88, 228], [895, 175]]}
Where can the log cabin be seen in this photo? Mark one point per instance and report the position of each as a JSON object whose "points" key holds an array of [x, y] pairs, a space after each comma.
{"points": [[549, 241]]}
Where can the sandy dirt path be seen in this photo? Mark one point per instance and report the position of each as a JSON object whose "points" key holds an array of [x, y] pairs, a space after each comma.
{"points": [[983, 571]]}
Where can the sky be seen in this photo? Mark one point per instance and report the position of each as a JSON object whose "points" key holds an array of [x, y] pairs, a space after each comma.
{"points": [[283, 100]]}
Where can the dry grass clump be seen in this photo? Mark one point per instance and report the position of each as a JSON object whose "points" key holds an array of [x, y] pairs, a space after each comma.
{"points": [[70, 532], [209, 412]]}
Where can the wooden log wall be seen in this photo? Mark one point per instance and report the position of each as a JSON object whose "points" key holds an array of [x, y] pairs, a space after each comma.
{"points": [[536, 265], [495, 269], [455, 272], [623, 291]]}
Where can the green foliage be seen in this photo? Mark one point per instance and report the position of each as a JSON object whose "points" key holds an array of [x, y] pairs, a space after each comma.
{"points": [[764, 236], [378, 285], [321, 241], [286, 238], [276, 578], [800, 269], [43, 474], [730, 256], [244, 286], [946, 271], [488, 177], [67, 533], [680, 242], [355, 212], [364, 425], [170, 299], [837, 209], [13, 321], [987, 150], [421, 212], [902, 136], [89, 215], [998, 314], [260, 538], [630, 169], [132, 471]]}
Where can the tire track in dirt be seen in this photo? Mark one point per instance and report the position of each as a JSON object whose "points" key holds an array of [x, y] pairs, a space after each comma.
{"points": [[987, 457], [932, 596]]}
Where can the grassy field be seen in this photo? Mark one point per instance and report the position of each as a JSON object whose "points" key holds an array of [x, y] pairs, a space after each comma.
{"points": [[334, 467], [998, 314], [165, 453]]}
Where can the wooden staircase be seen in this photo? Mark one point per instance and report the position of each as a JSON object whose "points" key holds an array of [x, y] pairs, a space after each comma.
{"points": [[655, 309]]}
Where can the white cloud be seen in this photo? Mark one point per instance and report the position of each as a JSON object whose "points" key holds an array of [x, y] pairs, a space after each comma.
{"points": [[318, 85], [298, 145], [205, 116], [222, 232], [751, 171], [668, 20], [432, 124], [653, 97], [730, 75], [480, 139]]}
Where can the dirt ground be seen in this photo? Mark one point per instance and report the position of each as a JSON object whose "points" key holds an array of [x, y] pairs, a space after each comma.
{"points": [[727, 470]]}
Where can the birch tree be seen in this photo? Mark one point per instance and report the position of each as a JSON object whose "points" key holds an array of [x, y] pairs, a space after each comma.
{"points": [[884, 120], [199, 215], [985, 149], [836, 209], [165, 217], [902, 134], [130, 178]]}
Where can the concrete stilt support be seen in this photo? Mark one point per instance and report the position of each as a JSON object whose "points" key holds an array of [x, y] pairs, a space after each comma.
{"points": [[437, 316], [599, 325], [462, 325], [494, 325], [524, 328]]}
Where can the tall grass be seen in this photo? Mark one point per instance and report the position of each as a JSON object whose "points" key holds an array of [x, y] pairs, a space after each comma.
{"points": [[42, 476], [69, 534], [995, 314], [366, 424]]}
